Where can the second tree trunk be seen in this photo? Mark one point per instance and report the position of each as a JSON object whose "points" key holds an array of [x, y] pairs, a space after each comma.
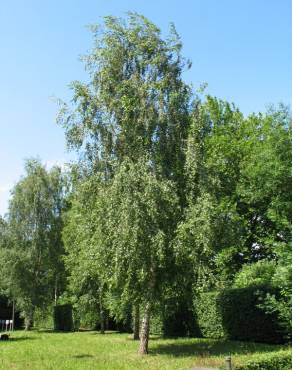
{"points": [[145, 327], [136, 325]]}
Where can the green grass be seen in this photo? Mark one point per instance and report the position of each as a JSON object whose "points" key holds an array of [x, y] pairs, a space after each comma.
{"points": [[90, 350]]}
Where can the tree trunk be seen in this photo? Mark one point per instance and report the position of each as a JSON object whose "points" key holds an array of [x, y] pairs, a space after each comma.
{"points": [[56, 292], [144, 334], [101, 314], [102, 326], [106, 320], [13, 314], [136, 323]]}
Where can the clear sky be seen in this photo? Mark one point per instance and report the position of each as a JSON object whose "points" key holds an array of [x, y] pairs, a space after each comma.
{"points": [[241, 48]]}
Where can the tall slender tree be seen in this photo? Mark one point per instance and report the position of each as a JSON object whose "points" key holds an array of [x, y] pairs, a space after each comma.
{"points": [[135, 106]]}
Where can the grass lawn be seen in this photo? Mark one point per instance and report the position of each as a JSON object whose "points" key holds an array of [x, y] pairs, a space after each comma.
{"points": [[90, 350]]}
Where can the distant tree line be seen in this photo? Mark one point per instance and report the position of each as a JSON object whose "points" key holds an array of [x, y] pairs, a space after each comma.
{"points": [[174, 194]]}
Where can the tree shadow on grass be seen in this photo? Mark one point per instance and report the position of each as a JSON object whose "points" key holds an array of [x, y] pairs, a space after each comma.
{"points": [[97, 332], [130, 338], [51, 331], [46, 331], [81, 356], [211, 348], [17, 339]]}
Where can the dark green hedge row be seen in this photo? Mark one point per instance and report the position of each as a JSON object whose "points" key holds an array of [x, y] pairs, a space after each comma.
{"points": [[175, 318], [181, 323], [63, 318], [279, 361], [235, 314]]}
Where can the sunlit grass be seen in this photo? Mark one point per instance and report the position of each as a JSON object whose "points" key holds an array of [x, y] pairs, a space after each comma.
{"points": [[90, 350]]}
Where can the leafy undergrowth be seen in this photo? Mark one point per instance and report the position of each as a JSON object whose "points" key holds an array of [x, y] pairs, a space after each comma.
{"points": [[90, 350]]}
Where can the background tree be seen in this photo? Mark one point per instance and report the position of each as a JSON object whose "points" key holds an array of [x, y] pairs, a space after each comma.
{"points": [[31, 260], [247, 171], [83, 270]]}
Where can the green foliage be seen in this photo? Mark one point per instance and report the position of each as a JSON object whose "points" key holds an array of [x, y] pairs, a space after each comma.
{"points": [[236, 314], [255, 274], [270, 361], [247, 165], [136, 217], [208, 230], [63, 318], [282, 304], [180, 323], [208, 313], [156, 324], [135, 104], [43, 318], [82, 273], [243, 319], [32, 266]]}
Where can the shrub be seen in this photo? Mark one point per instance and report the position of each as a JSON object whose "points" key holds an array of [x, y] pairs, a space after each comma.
{"points": [[209, 315], [156, 326], [271, 361], [43, 318], [255, 274], [235, 314], [63, 319]]}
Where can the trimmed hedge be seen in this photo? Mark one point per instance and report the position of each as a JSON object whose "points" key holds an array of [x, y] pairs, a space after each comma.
{"points": [[63, 318], [278, 361], [209, 317], [235, 314]]}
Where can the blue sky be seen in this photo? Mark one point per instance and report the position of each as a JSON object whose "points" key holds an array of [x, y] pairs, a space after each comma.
{"points": [[241, 48]]}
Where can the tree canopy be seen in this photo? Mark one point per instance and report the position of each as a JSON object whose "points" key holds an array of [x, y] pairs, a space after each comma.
{"points": [[31, 257]]}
